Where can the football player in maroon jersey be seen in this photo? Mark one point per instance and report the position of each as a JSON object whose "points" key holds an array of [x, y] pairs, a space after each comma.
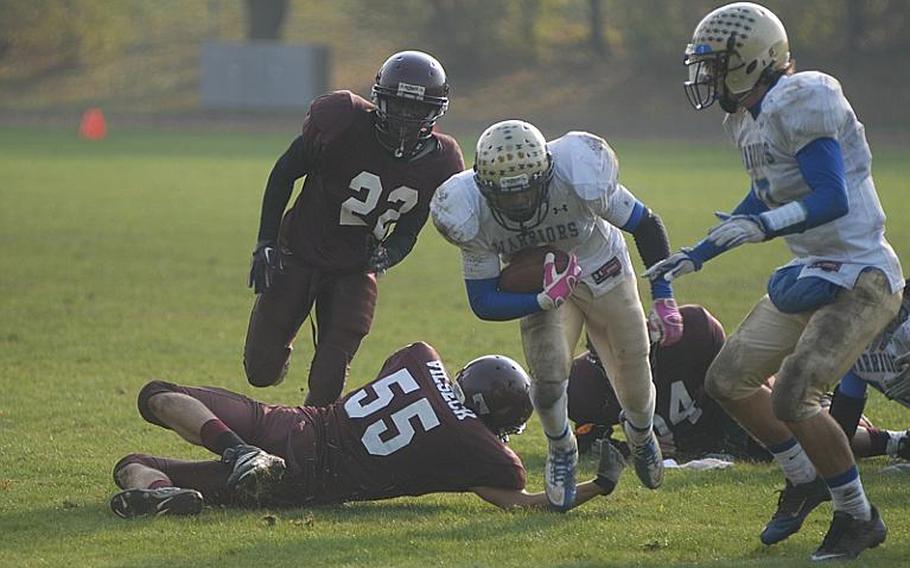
{"points": [[371, 169], [688, 422], [411, 431]]}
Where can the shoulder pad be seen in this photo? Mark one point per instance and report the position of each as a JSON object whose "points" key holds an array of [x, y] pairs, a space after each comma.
{"points": [[804, 107], [332, 114], [449, 147], [455, 208], [586, 162]]}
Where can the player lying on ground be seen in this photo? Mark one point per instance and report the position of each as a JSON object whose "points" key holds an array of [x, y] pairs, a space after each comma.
{"points": [[689, 423], [810, 166], [368, 167], [525, 192], [409, 432], [886, 366]]}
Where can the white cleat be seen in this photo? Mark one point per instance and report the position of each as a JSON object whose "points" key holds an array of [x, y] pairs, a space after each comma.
{"points": [[559, 475]]}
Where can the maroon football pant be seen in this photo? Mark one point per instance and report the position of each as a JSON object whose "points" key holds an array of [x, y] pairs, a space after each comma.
{"points": [[344, 313], [268, 426]]}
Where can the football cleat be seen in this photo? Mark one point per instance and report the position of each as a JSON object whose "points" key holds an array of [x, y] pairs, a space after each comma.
{"points": [[559, 476], [134, 503], [847, 536], [902, 446], [255, 472], [793, 506], [646, 457]]}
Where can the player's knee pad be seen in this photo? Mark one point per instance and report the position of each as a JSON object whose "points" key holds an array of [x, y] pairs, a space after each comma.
{"points": [[125, 461], [150, 389], [717, 384], [546, 394], [266, 370], [799, 386]]}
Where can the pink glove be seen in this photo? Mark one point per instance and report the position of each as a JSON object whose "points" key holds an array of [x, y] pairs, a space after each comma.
{"points": [[665, 323], [557, 286]]}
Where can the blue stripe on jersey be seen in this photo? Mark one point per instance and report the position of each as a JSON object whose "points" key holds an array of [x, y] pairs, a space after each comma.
{"points": [[638, 211], [488, 303]]}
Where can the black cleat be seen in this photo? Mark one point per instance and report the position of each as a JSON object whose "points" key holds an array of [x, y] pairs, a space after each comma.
{"points": [[793, 506], [134, 503], [255, 472], [903, 446], [848, 537]]}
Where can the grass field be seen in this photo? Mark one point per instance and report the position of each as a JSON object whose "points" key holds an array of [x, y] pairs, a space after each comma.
{"points": [[126, 260]]}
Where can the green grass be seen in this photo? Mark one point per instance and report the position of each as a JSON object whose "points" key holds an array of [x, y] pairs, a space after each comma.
{"points": [[126, 260]]}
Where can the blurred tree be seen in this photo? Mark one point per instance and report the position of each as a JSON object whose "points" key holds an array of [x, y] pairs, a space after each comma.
{"points": [[598, 41], [63, 33], [265, 18]]}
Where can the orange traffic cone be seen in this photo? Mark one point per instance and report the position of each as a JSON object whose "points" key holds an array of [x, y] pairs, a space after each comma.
{"points": [[93, 126]]}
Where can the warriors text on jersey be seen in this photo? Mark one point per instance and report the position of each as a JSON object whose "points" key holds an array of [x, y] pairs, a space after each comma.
{"points": [[405, 433], [797, 110], [585, 205], [355, 189], [877, 365]]}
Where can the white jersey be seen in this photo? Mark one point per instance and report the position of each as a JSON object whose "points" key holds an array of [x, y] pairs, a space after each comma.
{"points": [[877, 363], [801, 108], [586, 203]]}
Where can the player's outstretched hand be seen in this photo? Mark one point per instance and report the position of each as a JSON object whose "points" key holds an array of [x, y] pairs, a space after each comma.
{"points": [[557, 286], [265, 263], [665, 323], [734, 230], [610, 467], [672, 267]]}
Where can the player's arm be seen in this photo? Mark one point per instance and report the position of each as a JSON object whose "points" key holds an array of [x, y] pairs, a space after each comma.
{"points": [[520, 499], [291, 166], [488, 302], [608, 472], [401, 241], [691, 259], [664, 320]]}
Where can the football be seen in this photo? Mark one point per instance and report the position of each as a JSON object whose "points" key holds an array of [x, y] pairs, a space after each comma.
{"points": [[524, 274]]}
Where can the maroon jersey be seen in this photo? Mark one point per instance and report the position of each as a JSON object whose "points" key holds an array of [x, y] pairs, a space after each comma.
{"points": [[684, 414], [405, 433], [355, 190]]}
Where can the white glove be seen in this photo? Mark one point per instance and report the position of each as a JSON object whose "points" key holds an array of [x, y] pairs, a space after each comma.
{"points": [[672, 267], [734, 230]]}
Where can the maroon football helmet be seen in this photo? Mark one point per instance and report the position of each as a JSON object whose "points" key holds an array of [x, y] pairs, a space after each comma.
{"points": [[498, 390], [410, 94]]}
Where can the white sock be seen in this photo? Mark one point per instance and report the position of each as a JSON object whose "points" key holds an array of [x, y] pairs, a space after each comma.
{"points": [[637, 433], [555, 422], [794, 462], [848, 494]]}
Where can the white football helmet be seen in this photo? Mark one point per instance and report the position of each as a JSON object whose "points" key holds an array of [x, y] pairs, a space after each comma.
{"points": [[732, 49], [513, 169]]}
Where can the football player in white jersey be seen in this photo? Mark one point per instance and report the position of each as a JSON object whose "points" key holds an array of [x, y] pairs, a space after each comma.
{"points": [[524, 192], [885, 365], [810, 168]]}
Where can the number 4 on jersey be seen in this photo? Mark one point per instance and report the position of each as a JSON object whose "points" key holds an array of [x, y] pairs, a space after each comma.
{"points": [[358, 206]]}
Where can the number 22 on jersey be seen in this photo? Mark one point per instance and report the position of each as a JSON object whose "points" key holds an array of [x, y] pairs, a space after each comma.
{"points": [[383, 395], [360, 205]]}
